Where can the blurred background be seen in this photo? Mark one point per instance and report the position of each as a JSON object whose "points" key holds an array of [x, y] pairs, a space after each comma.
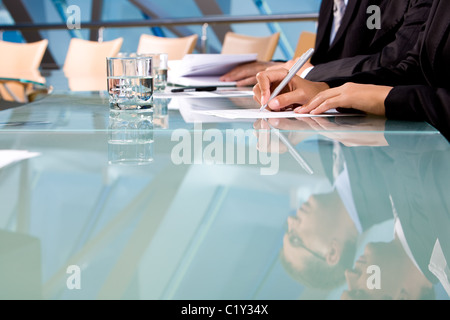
{"points": [[42, 13]]}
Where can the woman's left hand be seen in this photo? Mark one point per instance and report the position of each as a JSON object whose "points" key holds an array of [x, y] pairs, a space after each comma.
{"points": [[367, 98]]}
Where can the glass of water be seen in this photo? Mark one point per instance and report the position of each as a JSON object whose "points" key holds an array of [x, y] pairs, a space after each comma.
{"points": [[130, 82]]}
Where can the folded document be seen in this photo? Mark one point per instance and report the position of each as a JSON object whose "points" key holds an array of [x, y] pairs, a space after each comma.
{"points": [[205, 69], [208, 64]]}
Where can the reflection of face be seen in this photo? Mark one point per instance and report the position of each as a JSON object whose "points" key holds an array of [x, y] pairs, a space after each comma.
{"points": [[393, 273], [306, 227]]}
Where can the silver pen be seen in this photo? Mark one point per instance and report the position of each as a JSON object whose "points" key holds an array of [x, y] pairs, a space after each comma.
{"points": [[292, 72]]}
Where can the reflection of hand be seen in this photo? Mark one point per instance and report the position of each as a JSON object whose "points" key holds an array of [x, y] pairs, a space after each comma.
{"points": [[367, 98], [297, 131], [370, 130], [297, 92], [245, 74]]}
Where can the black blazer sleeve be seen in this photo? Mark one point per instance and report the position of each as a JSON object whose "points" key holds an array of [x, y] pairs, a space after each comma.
{"points": [[403, 40], [411, 98], [420, 102], [407, 72]]}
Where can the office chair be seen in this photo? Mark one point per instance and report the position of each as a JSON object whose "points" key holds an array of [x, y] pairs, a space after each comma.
{"points": [[85, 63], [86, 57], [20, 61], [265, 47], [176, 48], [306, 41]]}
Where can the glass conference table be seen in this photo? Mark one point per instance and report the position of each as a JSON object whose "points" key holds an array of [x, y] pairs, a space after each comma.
{"points": [[175, 204]]}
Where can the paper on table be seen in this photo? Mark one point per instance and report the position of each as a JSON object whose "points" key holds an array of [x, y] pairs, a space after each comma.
{"points": [[203, 94], [203, 81], [256, 114], [209, 64], [205, 69], [191, 109], [10, 156]]}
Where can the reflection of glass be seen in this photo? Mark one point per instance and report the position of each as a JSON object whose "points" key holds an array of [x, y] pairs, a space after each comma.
{"points": [[160, 113], [159, 70], [159, 67], [130, 82], [130, 137]]}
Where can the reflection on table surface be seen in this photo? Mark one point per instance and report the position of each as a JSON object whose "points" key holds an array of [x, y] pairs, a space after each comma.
{"points": [[31, 76], [217, 209], [20, 87]]}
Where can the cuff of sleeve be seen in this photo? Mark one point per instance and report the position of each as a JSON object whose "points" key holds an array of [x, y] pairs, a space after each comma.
{"points": [[334, 83], [400, 103], [305, 72]]}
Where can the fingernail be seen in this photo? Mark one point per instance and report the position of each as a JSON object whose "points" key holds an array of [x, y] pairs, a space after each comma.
{"points": [[274, 104]]}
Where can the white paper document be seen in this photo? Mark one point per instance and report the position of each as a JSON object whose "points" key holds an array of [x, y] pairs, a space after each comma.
{"points": [[256, 114], [205, 69], [203, 94], [10, 156], [199, 81], [192, 110], [208, 64]]}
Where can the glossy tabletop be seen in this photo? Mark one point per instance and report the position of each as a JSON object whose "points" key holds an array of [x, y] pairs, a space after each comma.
{"points": [[315, 208]]}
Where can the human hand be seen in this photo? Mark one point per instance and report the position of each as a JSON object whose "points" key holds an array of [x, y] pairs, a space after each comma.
{"points": [[297, 92], [245, 74], [297, 130], [363, 97], [351, 131]]}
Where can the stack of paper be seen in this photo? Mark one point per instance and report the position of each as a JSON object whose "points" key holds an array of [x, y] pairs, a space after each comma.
{"points": [[205, 69]]}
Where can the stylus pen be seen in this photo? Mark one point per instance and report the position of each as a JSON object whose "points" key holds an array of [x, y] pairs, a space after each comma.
{"points": [[292, 72], [192, 89], [291, 149]]}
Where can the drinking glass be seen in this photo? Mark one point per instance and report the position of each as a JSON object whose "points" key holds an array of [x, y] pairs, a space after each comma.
{"points": [[130, 82]]}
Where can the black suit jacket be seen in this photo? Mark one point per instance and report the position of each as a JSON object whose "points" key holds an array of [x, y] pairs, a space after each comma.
{"points": [[367, 185], [417, 178], [412, 175], [356, 48], [421, 81]]}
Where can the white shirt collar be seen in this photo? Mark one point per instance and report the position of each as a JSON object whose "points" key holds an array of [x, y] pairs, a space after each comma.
{"points": [[342, 185]]}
